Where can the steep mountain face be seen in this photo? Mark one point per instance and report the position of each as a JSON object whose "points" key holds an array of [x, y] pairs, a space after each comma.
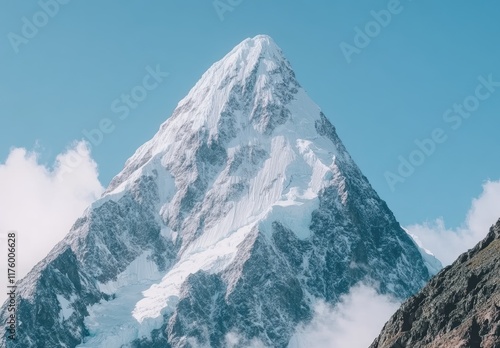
{"points": [[459, 308], [241, 211]]}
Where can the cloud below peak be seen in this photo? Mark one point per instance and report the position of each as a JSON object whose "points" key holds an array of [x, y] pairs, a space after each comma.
{"points": [[41, 203], [447, 244], [354, 322]]}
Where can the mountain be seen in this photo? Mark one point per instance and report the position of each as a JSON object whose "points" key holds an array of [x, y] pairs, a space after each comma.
{"points": [[242, 211], [459, 308]]}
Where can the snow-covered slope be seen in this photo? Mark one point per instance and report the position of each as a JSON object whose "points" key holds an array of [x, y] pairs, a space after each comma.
{"points": [[431, 262], [242, 210]]}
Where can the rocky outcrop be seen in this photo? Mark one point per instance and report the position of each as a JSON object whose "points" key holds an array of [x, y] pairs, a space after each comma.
{"points": [[459, 308]]}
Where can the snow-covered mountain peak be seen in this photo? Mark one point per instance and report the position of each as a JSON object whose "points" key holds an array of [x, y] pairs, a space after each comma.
{"points": [[248, 93], [252, 53], [254, 74], [242, 210]]}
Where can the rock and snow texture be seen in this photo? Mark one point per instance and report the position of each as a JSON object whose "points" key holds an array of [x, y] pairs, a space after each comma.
{"points": [[242, 211], [458, 308]]}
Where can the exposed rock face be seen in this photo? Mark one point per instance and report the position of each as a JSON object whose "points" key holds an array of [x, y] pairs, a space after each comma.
{"points": [[242, 210], [459, 308]]}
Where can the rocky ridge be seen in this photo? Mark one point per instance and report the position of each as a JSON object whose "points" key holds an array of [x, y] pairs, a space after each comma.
{"points": [[458, 308]]}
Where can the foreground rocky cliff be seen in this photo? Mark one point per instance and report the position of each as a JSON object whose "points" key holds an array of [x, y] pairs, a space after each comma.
{"points": [[459, 308]]}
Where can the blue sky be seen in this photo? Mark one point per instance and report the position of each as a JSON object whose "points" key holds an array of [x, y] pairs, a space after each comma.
{"points": [[64, 79]]}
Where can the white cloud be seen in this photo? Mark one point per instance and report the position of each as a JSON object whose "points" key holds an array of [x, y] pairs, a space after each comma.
{"points": [[354, 322], [447, 244], [234, 340], [42, 203]]}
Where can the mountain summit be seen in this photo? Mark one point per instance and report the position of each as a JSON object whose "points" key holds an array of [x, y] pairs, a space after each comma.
{"points": [[242, 211]]}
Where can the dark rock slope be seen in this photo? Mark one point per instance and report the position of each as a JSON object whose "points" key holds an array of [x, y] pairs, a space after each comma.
{"points": [[459, 308]]}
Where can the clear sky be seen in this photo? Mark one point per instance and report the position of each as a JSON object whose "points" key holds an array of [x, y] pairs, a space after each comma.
{"points": [[427, 57]]}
